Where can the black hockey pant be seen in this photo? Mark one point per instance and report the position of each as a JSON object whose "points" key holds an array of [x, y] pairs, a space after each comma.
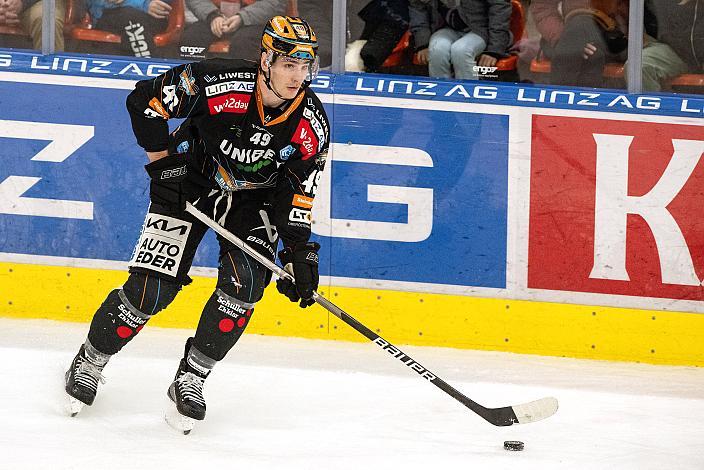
{"points": [[160, 264]]}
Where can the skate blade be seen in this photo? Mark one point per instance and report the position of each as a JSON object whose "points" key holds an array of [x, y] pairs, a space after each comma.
{"points": [[73, 406], [177, 421]]}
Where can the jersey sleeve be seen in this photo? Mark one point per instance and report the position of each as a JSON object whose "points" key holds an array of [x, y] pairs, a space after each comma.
{"points": [[298, 178], [174, 94]]}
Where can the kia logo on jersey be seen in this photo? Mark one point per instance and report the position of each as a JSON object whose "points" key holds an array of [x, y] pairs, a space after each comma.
{"points": [[231, 103], [615, 207]]}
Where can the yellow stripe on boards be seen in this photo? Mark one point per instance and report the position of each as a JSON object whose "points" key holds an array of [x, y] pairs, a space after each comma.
{"points": [[658, 337]]}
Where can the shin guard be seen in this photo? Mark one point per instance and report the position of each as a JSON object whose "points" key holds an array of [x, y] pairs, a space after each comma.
{"points": [[221, 324], [115, 323], [125, 311]]}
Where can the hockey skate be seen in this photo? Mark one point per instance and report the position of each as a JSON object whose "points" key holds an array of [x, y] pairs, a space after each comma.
{"points": [[82, 379], [186, 402]]}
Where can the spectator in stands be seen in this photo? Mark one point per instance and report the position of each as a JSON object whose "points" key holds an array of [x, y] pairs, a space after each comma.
{"points": [[580, 37], [674, 43], [28, 13], [453, 34], [319, 15], [10, 11], [385, 22], [136, 21], [206, 23]]}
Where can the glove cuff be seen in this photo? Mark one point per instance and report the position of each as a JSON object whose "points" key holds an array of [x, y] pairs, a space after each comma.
{"points": [[302, 252], [172, 167], [300, 246]]}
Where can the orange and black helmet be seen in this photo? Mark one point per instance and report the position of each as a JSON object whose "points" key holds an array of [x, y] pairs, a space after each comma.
{"points": [[290, 36]]}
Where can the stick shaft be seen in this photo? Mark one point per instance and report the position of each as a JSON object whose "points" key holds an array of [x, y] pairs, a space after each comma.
{"points": [[498, 416]]}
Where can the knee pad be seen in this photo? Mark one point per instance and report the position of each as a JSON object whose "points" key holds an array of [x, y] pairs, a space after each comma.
{"points": [[221, 324], [242, 277], [148, 293], [241, 283], [125, 311]]}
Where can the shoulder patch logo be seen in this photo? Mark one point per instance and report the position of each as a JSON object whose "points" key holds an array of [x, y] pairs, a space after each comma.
{"points": [[187, 82], [183, 147], [286, 152]]}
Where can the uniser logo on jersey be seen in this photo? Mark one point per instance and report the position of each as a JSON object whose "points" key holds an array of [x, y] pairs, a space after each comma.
{"points": [[230, 103], [220, 88]]}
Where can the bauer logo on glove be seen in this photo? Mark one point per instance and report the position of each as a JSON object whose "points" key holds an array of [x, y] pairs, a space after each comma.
{"points": [[174, 173], [173, 183]]}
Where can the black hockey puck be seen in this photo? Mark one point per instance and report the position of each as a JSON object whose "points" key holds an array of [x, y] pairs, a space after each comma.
{"points": [[513, 445]]}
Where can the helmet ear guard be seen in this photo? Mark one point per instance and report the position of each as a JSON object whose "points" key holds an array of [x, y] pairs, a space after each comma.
{"points": [[269, 57], [313, 69]]}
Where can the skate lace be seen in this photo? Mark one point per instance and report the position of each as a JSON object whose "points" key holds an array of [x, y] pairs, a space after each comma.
{"points": [[191, 387], [88, 375]]}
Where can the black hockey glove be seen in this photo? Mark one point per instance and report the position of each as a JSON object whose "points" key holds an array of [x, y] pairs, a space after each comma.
{"points": [[167, 188], [302, 262]]}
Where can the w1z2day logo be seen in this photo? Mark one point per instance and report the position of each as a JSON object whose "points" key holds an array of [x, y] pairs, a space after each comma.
{"points": [[231, 103]]}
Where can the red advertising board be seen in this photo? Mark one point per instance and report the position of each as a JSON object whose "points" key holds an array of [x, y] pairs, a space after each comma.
{"points": [[617, 207]]}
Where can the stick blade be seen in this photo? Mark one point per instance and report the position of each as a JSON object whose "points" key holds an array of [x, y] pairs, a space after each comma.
{"points": [[535, 410]]}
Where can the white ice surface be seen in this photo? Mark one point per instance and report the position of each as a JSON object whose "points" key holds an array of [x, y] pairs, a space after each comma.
{"points": [[279, 403]]}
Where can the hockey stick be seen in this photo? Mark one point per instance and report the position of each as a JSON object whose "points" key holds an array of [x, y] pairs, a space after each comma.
{"points": [[504, 416]]}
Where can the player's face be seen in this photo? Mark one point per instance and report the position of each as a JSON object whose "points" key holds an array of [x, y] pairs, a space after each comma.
{"points": [[288, 75]]}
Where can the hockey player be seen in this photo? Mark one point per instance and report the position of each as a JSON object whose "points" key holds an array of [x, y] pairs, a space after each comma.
{"points": [[249, 154]]}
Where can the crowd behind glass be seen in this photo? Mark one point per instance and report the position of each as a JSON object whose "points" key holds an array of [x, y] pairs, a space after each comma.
{"points": [[560, 42]]}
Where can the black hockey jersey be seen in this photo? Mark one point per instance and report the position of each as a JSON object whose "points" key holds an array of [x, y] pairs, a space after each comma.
{"points": [[233, 139]]}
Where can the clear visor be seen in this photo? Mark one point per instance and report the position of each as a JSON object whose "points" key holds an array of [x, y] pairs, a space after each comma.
{"points": [[313, 65]]}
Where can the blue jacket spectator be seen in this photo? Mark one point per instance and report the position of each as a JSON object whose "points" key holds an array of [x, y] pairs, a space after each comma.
{"points": [[96, 7], [136, 21]]}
